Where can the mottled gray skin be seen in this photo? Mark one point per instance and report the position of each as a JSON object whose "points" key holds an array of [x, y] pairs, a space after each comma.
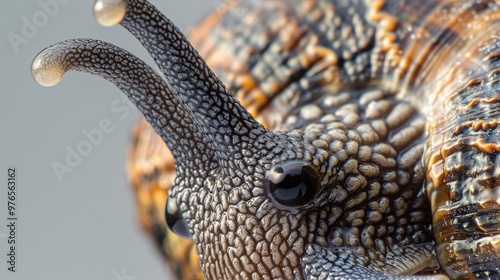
{"points": [[366, 214]]}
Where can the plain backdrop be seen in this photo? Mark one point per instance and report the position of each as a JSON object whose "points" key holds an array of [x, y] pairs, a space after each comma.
{"points": [[85, 226]]}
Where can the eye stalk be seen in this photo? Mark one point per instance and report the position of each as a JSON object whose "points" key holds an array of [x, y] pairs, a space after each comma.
{"points": [[292, 184]]}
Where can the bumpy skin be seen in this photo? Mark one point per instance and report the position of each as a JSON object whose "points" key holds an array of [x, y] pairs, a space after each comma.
{"points": [[151, 171], [388, 108]]}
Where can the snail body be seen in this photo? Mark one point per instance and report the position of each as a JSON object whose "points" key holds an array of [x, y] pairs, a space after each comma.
{"points": [[363, 145]]}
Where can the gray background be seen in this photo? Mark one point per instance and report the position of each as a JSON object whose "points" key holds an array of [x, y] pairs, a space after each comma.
{"points": [[85, 226]]}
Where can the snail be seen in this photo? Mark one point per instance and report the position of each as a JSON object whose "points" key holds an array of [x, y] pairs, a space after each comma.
{"points": [[338, 140]]}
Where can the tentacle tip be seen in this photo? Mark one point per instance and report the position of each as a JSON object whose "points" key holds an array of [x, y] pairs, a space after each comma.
{"points": [[44, 71], [109, 12]]}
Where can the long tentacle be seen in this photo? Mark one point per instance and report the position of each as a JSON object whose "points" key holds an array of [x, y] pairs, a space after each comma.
{"points": [[154, 98], [224, 122]]}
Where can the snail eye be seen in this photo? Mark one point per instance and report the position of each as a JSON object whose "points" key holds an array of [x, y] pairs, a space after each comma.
{"points": [[293, 184], [175, 221]]}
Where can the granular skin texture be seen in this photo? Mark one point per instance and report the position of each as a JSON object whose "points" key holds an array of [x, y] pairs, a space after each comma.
{"points": [[381, 117]]}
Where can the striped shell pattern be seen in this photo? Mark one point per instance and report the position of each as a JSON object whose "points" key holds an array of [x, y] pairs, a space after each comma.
{"points": [[329, 139]]}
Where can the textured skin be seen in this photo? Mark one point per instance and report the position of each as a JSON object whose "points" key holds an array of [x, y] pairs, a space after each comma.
{"points": [[393, 104]]}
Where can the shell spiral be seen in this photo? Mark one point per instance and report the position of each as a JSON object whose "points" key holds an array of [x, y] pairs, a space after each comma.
{"points": [[394, 105]]}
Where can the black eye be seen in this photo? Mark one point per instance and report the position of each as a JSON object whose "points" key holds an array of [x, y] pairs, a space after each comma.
{"points": [[293, 184], [175, 222]]}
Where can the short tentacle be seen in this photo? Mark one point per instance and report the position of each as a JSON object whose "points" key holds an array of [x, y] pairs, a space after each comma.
{"points": [[221, 118], [154, 98]]}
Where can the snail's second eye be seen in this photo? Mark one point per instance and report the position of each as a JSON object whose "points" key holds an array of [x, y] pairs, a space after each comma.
{"points": [[293, 184], [175, 222]]}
